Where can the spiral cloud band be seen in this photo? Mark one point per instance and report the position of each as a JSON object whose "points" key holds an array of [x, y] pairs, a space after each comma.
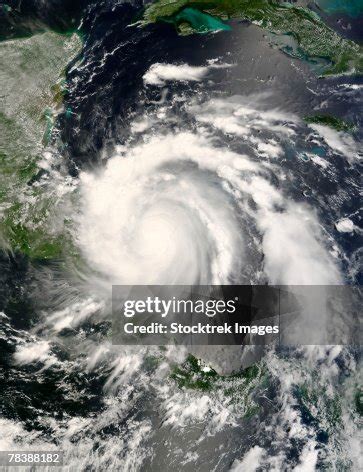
{"points": [[183, 208]]}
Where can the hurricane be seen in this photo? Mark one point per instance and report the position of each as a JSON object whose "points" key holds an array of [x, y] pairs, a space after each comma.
{"points": [[179, 144], [184, 208]]}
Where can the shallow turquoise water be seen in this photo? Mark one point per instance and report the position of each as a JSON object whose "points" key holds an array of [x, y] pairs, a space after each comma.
{"points": [[350, 7], [200, 21]]}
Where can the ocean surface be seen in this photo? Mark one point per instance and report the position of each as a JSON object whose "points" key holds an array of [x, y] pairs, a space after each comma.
{"points": [[176, 159]]}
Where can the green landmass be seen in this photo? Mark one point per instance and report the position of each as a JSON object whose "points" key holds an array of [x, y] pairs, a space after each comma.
{"points": [[196, 375], [32, 88], [359, 402], [328, 120], [191, 20], [313, 37], [320, 407]]}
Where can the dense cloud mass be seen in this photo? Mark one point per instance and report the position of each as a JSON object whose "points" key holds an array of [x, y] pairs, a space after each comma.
{"points": [[182, 208], [137, 153]]}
